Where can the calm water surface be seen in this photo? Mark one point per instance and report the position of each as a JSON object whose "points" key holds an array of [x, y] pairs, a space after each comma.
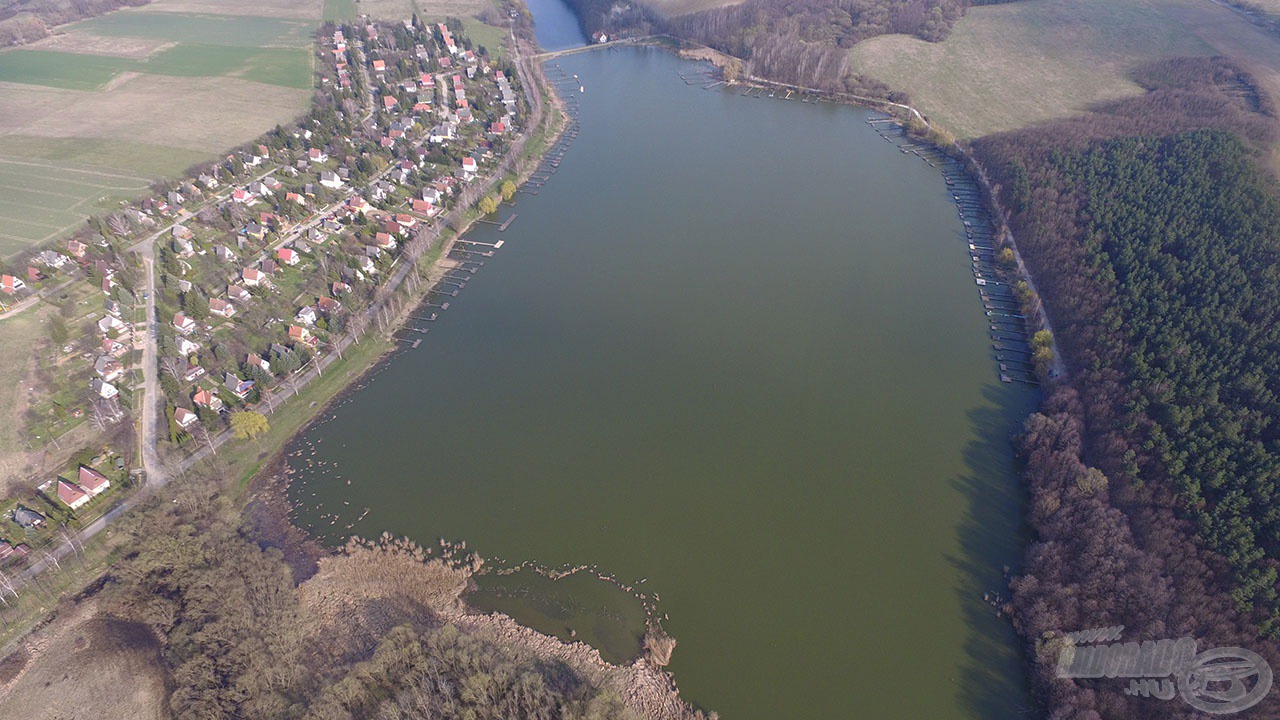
{"points": [[733, 348]]}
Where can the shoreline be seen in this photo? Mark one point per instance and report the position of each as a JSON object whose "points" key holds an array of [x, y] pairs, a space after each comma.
{"points": [[645, 686]]}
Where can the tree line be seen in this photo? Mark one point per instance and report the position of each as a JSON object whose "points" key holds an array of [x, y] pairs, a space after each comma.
{"points": [[1153, 228]]}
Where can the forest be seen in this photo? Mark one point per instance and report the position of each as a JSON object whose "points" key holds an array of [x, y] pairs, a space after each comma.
{"points": [[1152, 226], [806, 42]]}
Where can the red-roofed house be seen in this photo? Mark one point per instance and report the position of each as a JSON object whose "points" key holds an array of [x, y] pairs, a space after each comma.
{"points": [[406, 221], [251, 276], [469, 165], [93, 481], [389, 102], [183, 324], [379, 66], [301, 334], [10, 284], [185, 418], [72, 495], [497, 127], [204, 398], [422, 206], [288, 256], [76, 249]]}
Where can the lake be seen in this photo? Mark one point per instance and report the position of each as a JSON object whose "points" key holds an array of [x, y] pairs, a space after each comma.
{"points": [[732, 354]]}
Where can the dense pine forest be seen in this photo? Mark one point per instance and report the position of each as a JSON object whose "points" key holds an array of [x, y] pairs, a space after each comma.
{"points": [[1153, 228]]}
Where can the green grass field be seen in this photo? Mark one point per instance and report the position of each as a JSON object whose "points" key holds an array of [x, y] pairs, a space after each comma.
{"points": [[41, 200], [200, 29], [60, 70], [1006, 66], [339, 10]]}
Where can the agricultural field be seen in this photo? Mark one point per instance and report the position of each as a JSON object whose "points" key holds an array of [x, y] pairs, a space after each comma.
{"points": [[95, 113], [1006, 66]]}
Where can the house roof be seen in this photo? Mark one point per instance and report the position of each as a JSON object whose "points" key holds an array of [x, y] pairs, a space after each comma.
{"points": [[91, 479], [69, 492]]}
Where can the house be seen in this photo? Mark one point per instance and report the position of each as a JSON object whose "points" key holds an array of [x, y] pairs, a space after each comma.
{"points": [[317, 155], [27, 518], [497, 128], [238, 387], [205, 398], [406, 221], [255, 231], [241, 195], [221, 307], [391, 227], [238, 294], [358, 204], [328, 305], [299, 333], [389, 102], [112, 307], [53, 259], [108, 323], [103, 389], [223, 253], [295, 198], [469, 165], [379, 66], [599, 37], [288, 256], [34, 274], [431, 195], [252, 277], [330, 180], [384, 241], [76, 248], [72, 495], [306, 316], [422, 206], [10, 284], [185, 418], [186, 347], [255, 360], [270, 267], [271, 184], [176, 198], [108, 368], [93, 481], [183, 324], [366, 265], [113, 347], [338, 289], [193, 373]]}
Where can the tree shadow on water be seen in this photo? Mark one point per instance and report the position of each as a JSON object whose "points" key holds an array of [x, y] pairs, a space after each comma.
{"points": [[992, 534]]}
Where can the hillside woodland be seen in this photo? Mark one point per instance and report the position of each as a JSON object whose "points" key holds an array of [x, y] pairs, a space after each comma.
{"points": [[802, 42], [1153, 229], [24, 21]]}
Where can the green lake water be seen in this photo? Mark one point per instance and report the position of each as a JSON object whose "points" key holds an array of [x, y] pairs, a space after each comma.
{"points": [[733, 348]]}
